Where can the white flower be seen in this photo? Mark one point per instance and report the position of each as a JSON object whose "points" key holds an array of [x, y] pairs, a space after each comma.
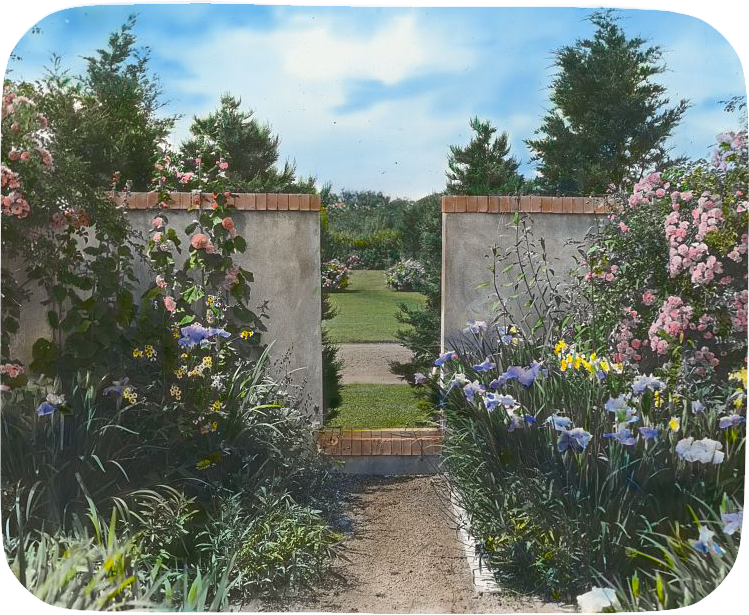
{"points": [[55, 400], [704, 451], [597, 599]]}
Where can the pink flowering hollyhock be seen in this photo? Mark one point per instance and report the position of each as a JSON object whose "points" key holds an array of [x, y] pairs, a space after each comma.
{"points": [[726, 279], [660, 192], [170, 304], [198, 160], [687, 196], [185, 177], [623, 227], [157, 237], [228, 224], [231, 278], [201, 241], [45, 155], [157, 222], [223, 165], [160, 281], [609, 277], [648, 297], [25, 155], [14, 154]]}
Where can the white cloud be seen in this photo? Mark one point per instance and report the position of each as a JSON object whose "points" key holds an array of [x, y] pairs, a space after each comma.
{"points": [[295, 78]]}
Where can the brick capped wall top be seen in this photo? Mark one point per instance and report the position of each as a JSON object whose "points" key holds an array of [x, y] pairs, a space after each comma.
{"points": [[458, 204], [255, 201]]}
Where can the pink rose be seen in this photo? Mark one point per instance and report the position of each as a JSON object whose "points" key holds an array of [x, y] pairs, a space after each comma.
{"points": [[201, 241], [170, 304], [228, 224], [25, 155], [157, 222], [624, 228], [160, 281], [157, 237]]}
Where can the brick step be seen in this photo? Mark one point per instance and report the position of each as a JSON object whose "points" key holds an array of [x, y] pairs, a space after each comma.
{"points": [[365, 442]]}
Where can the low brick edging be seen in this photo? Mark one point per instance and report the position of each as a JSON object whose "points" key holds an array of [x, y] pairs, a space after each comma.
{"points": [[342, 442], [458, 204], [244, 201]]}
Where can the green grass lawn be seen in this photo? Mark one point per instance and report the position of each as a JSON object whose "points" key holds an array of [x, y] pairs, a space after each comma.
{"points": [[367, 308], [376, 406]]}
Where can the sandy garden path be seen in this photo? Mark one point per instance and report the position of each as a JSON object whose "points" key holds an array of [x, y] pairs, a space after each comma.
{"points": [[401, 555], [369, 363]]}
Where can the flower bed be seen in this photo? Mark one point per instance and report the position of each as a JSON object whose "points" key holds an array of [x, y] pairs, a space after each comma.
{"points": [[405, 275]]}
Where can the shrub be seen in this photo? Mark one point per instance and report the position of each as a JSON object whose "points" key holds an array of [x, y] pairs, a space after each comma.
{"points": [[335, 276], [405, 275], [377, 250]]}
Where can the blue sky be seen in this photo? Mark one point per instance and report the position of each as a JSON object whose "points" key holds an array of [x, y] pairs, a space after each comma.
{"points": [[372, 98]]}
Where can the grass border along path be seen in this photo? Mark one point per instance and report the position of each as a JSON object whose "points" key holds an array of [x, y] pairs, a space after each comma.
{"points": [[367, 309]]}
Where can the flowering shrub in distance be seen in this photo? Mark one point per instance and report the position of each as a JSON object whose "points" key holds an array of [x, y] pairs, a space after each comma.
{"points": [[405, 275], [335, 275]]}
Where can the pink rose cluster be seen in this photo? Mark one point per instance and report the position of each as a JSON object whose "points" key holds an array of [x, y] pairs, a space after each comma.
{"points": [[648, 188], [201, 241], [629, 346], [674, 318], [12, 370], [729, 144], [703, 359], [608, 276], [9, 178], [739, 317], [13, 204]]}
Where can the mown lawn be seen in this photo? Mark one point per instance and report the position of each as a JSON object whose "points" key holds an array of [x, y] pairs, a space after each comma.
{"points": [[367, 308], [377, 406]]}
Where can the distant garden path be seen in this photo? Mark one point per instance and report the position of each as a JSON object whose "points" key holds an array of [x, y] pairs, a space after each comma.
{"points": [[402, 554], [369, 363]]}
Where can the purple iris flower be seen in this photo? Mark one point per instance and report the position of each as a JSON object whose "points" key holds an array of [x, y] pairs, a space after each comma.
{"points": [[46, 408], [623, 436], [117, 387], [197, 333], [698, 406], [530, 374], [491, 401], [616, 403], [705, 543], [731, 421], [507, 400], [732, 521], [515, 422], [529, 419], [445, 356], [561, 423], [419, 378], [649, 433], [472, 388], [476, 326], [485, 366], [646, 382], [575, 439], [495, 384]]}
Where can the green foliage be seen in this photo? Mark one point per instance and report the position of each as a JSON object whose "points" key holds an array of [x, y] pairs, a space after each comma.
{"points": [[109, 117], [610, 119], [250, 146], [331, 363], [376, 250], [483, 166]]}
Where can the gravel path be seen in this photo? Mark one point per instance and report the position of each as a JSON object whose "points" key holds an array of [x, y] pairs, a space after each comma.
{"points": [[401, 555], [370, 363]]}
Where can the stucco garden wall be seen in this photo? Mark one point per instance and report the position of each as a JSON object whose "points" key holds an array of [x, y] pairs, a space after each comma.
{"points": [[471, 226], [283, 253]]}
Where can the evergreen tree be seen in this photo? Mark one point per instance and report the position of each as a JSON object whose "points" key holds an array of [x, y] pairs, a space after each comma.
{"points": [[483, 167], [108, 117], [609, 119], [250, 147]]}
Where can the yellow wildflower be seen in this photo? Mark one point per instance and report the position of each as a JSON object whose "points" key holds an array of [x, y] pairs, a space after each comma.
{"points": [[593, 356], [657, 399], [216, 406], [180, 372], [563, 365], [561, 345], [247, 334], [210, 299], [578, 362], [738, 402], [129, 395], [175, 392], [740, 375], [175, 332], [184, 355], [674, 424], [137, 352], [149, 351], [605, 365], [208, 361]]}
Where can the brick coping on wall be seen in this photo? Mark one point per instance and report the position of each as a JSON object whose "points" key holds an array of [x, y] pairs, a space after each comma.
{"points": [[254, 201], [458, 204]]}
